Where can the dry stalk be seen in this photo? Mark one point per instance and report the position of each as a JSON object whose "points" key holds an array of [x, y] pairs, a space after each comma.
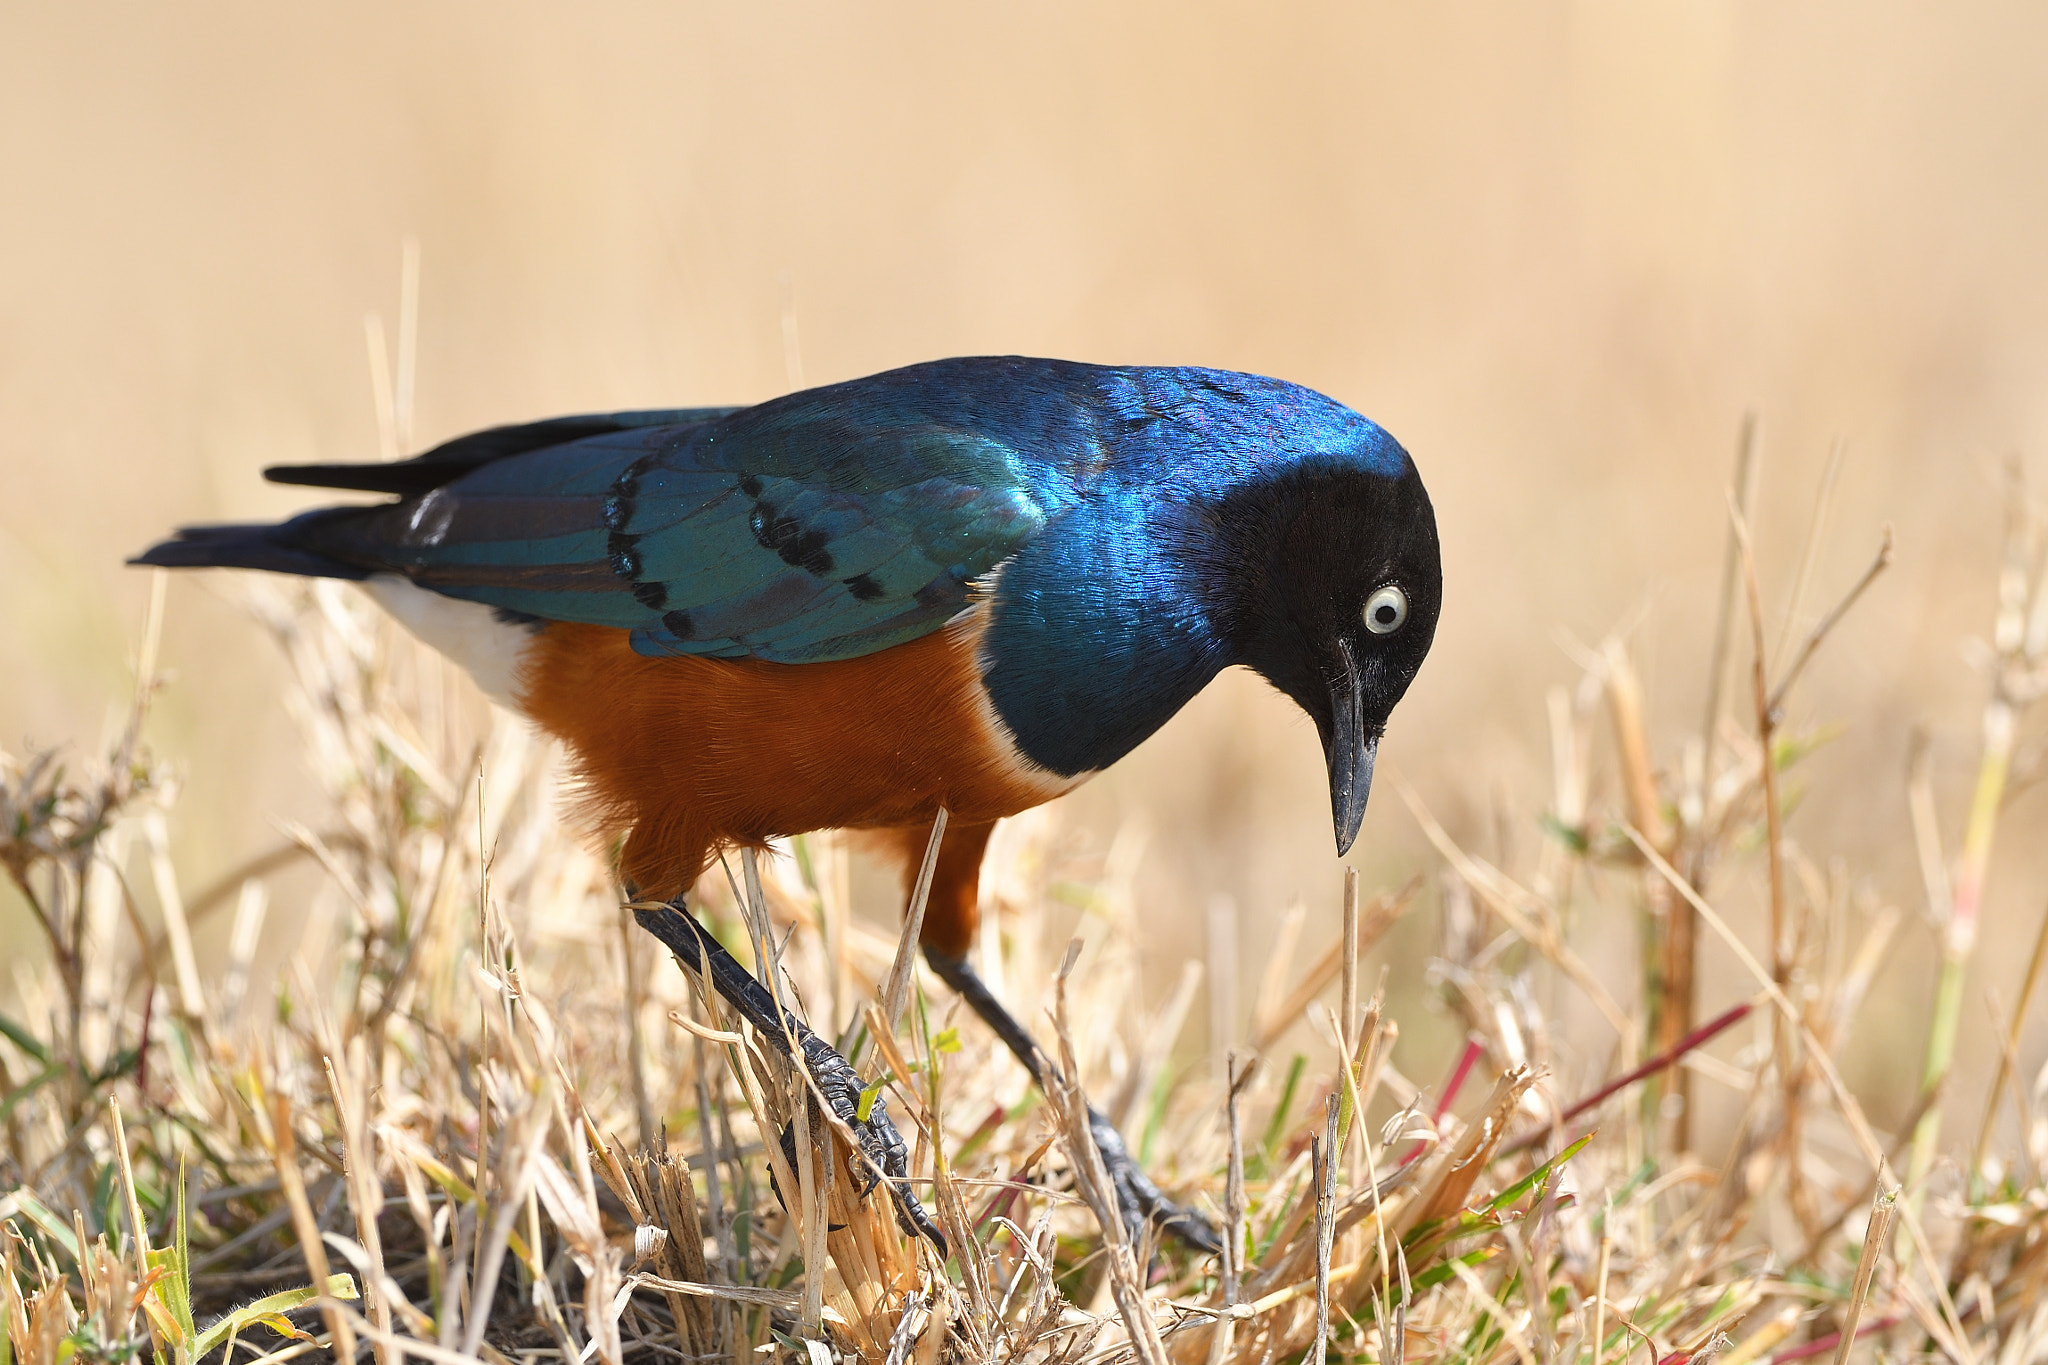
{"points": [[1347, 1008], [1092, 1180], [1324, 1162], [365, 1197], [1672, 997], [1766, 732], [1792, 1062], [897, 992], [284, 1148], [1875, 1237], [2019, 678], [1269, 1025], [1241, 1071], [1849, 1108], [2009, 1049]]}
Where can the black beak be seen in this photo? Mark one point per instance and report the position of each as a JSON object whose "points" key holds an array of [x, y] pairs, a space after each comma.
{"points": [[1350, 751]]}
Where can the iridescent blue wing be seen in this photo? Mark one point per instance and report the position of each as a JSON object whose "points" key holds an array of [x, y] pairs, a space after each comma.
{"points": [[795, 532]]}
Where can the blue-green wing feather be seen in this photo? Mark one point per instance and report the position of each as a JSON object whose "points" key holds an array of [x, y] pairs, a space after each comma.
{"points": [[792, 536]]}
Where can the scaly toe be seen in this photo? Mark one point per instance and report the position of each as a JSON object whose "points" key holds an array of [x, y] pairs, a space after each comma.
{"points": [[887, 1156], [1141, 1202]]}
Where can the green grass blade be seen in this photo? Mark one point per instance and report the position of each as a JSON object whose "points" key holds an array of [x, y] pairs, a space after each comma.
{"points": [[1278, 1123], [19, 1035], [181, 1261], [46, 1221], [1529, 1182], [271, 1305], [28, 1088], [1443, 1270]]}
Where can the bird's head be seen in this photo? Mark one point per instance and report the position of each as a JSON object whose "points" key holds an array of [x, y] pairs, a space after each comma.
{"points": [[1339, 585]]}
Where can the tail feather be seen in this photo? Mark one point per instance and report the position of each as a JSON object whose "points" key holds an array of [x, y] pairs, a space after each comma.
{"points": [[277, 548], [451, 460]]}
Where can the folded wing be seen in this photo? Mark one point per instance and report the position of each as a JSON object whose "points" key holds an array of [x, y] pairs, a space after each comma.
{"points": [[792, 533]]}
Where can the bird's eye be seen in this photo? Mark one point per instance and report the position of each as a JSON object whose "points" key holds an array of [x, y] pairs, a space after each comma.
{"points": [[1385, 610]]}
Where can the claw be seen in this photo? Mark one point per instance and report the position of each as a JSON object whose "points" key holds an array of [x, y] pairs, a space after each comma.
{"points": [[887, 1157], [882, 1146], [1138, 1199], [1142, 1202]]}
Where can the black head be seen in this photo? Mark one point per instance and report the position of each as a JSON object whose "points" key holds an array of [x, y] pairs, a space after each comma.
{"points": [[1341, 583]]}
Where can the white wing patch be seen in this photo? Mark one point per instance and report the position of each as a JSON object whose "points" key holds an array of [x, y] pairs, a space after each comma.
{"points": [[469, 633]]}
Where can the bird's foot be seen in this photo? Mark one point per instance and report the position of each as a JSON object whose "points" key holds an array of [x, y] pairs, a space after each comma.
{"points": [[886, 1156], [1140, 1201]]}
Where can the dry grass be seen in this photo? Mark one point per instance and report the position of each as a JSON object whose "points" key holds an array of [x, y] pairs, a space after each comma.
{"points": [[476, 1107]]}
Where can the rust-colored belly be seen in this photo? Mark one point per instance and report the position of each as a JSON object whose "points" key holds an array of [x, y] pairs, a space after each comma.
{"points": [[685, 754]]}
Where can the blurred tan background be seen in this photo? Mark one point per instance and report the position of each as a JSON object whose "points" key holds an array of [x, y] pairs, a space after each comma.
{"points": [[1557, 249]]}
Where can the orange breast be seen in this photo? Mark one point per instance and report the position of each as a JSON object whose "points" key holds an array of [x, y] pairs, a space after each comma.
{"points": [[684, 755]]}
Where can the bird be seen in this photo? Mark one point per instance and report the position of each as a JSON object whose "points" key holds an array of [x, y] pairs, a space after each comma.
{"points": [[965, 585]]}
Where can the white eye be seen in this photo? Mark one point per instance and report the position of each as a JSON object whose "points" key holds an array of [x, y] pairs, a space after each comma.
{"points": [[1385, 610]]}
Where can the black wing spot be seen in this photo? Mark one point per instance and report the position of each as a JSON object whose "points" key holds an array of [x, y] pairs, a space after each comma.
{"points": [[808, 552], [750, 485], [619, 553], [863, 587], [787, 537], [770, 531], [678, 624], [938, 593], [650, 595], [618, 502]]}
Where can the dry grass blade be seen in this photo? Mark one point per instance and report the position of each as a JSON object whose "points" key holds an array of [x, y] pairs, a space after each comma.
{"points": [[897, 991], [1324, 1162], [2003, 1076], [1515, 905], [1876, 1236], [1742, 493], [666, 1194], [1347, 996], [1092, 1178], [733, 1293], [284, 1148], [1241, 1072], [366, 1201], [1811, 644]]}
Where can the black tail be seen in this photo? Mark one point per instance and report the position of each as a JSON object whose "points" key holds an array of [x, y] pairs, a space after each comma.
{"points": [[319, 544], [443, 464], [280, 549], [448, 462]]}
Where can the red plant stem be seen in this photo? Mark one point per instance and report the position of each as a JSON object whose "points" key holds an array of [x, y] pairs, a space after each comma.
{"points": [[1000, 1203], [1004, 1199], [988, 1126], [1834, 1339], [1720, 1023], [1457, 1082], [1466, 1062]]}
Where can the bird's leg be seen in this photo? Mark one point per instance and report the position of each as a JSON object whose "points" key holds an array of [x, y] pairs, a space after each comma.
{"points": [[837, 1081], [1140, 1200]]}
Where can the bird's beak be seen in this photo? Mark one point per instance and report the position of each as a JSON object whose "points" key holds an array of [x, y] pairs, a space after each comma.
{"points": [[1349, 750]]}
